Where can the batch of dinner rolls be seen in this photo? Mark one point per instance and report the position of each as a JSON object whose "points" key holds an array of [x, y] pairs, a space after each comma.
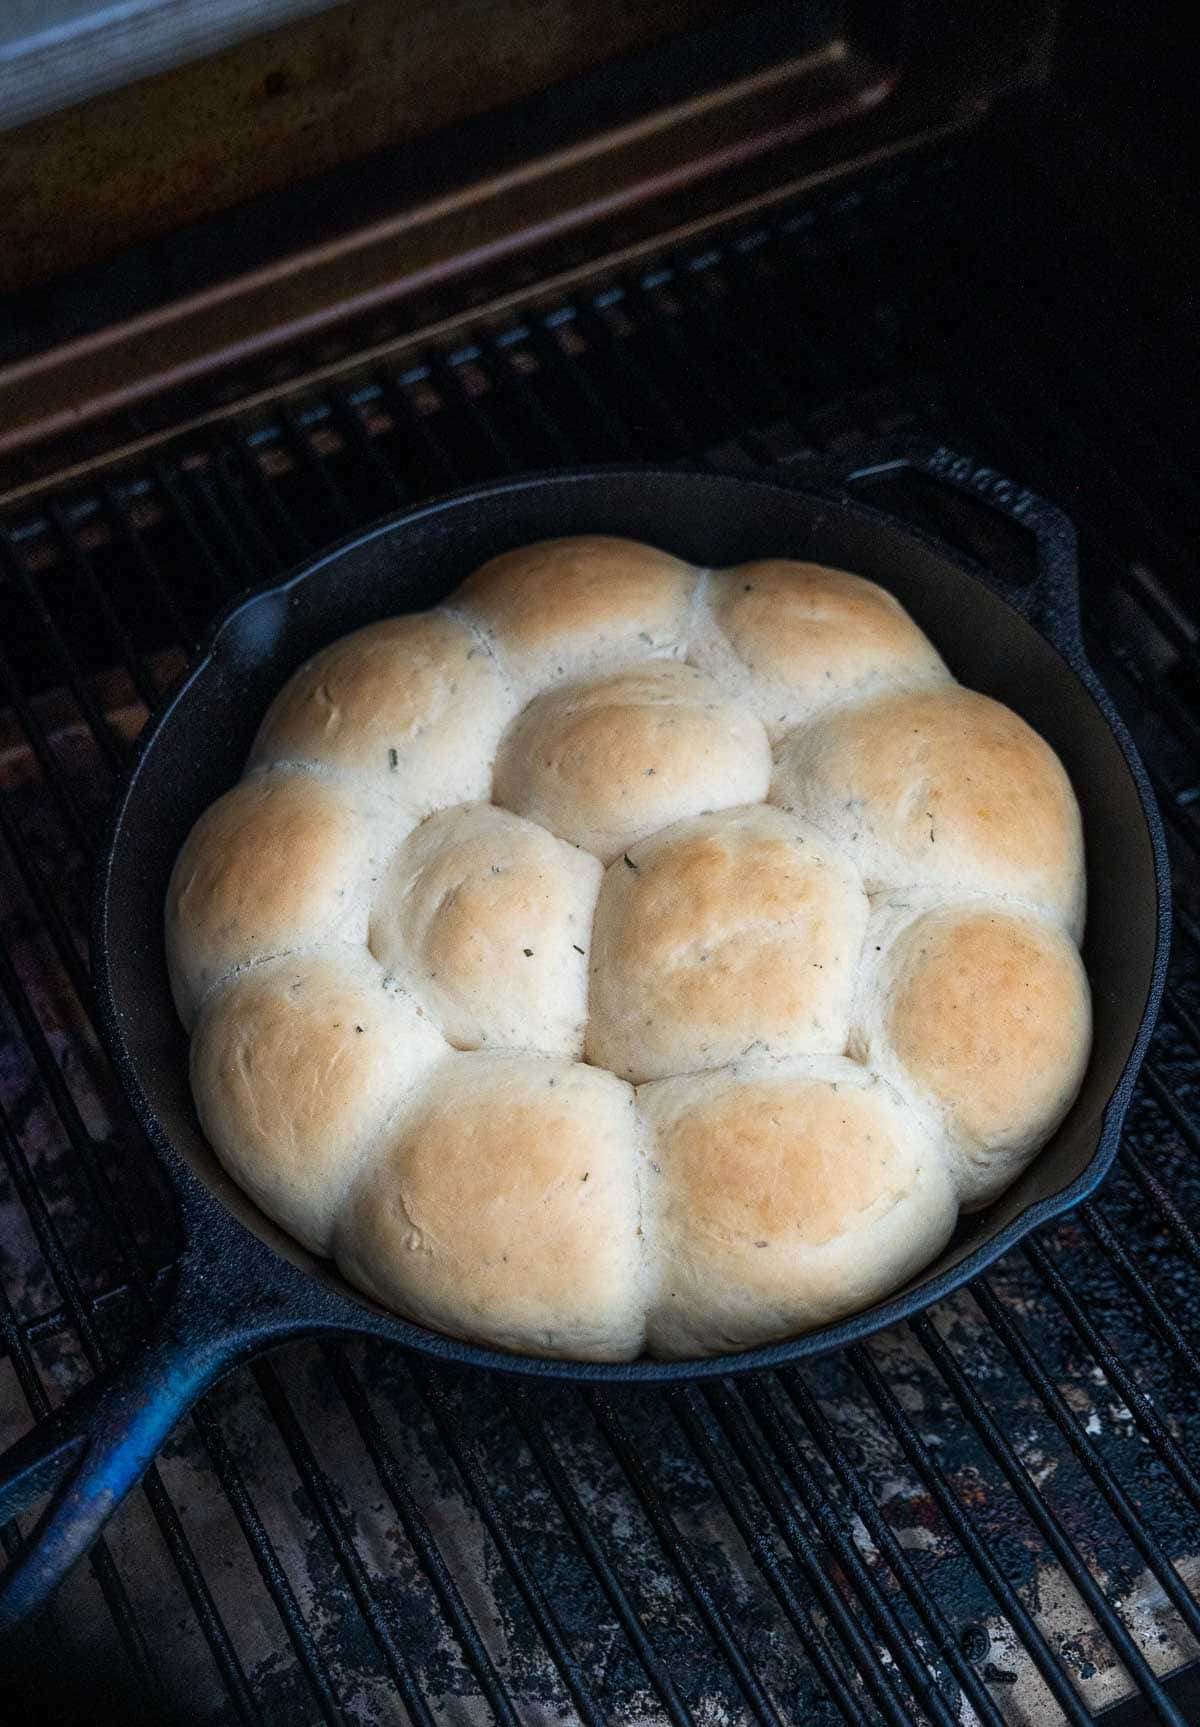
{"points": [[626, 957]]}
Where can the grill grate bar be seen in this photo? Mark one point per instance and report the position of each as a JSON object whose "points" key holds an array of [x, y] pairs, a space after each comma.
{"points": [[274, 1577], [473, 1474], [758, 1399], [165, 1514], [298, 542], [100, 1560], [541, 1450], [921, 1459], [432, 468], [498, 455], [1156, 1312], [1116, 1373], [940, 1632], [51, 769], [299, 441], [417, 1529], [130, 541], [140, 675], [1163, 1203], [211, 560], [324, 1502], [1073, 1432], [685, 1408], [46, 907], [108, 741], [1183, 1017], [349, 419], [67, 1111], [751, 1454], [676, 1549], [1064, 1550], [1166, 1100], [220, 494]]}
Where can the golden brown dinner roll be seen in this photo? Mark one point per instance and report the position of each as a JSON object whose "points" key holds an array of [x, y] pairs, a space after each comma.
{"points": [[569, 609], [604, 764], [282, 860], [940, 787], [489, 919], [506, 1207], [789, 639], [298, 1066], [984, 1008], [720, 937], [413, 706], [787, 1196]]}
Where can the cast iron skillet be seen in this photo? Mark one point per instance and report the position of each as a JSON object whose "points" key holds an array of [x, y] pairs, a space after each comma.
{"points": [[242, 1284]]}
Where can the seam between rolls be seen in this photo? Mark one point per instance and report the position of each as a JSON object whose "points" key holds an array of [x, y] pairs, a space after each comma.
{"points": [[699, 591], [375, 1143]]}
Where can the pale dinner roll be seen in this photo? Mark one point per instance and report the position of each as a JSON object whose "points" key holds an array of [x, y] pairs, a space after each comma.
{"points": [[573, 608], [941, 788], [726, 935], [281, 861], [297, 1067], [983, 1008], [604, 764], [790, 638], [786, 1197], [506, 1207], [542, 822], [412, 706], [489, 918]]}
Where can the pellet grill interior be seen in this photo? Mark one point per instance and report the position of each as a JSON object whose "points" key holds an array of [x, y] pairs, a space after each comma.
{"points": [[989, 1515]]}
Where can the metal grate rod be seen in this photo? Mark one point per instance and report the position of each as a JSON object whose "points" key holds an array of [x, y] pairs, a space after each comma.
{"points": [[1060, 1545]]}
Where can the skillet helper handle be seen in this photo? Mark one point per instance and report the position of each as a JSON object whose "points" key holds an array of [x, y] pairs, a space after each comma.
{"points": [[99, 1444], [1051, 600]]}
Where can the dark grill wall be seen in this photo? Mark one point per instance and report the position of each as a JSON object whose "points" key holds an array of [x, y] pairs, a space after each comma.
{"points": [[994, 1509]]}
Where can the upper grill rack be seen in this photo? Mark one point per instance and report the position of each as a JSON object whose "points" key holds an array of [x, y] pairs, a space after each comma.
{"points": [[991, 1511]]}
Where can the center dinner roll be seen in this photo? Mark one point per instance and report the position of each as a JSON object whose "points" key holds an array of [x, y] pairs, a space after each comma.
{"points": [[604, 764], [489, 919], [943, 788], [507, 1204], [786, 1199], [625, 955], [721, 936]]}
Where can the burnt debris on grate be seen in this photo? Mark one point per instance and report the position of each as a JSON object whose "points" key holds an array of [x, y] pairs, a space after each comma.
{"points": [[990, 1515]]}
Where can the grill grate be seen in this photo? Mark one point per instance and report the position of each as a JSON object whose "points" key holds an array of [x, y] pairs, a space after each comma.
{"points": [[987, 1516]]}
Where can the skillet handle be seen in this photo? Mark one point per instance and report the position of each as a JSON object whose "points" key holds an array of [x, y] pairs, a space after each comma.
{"points": [[98, 1444], [1050, 601]]}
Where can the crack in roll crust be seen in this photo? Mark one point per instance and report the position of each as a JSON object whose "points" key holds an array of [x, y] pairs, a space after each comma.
{"points": [[735, 838]]}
